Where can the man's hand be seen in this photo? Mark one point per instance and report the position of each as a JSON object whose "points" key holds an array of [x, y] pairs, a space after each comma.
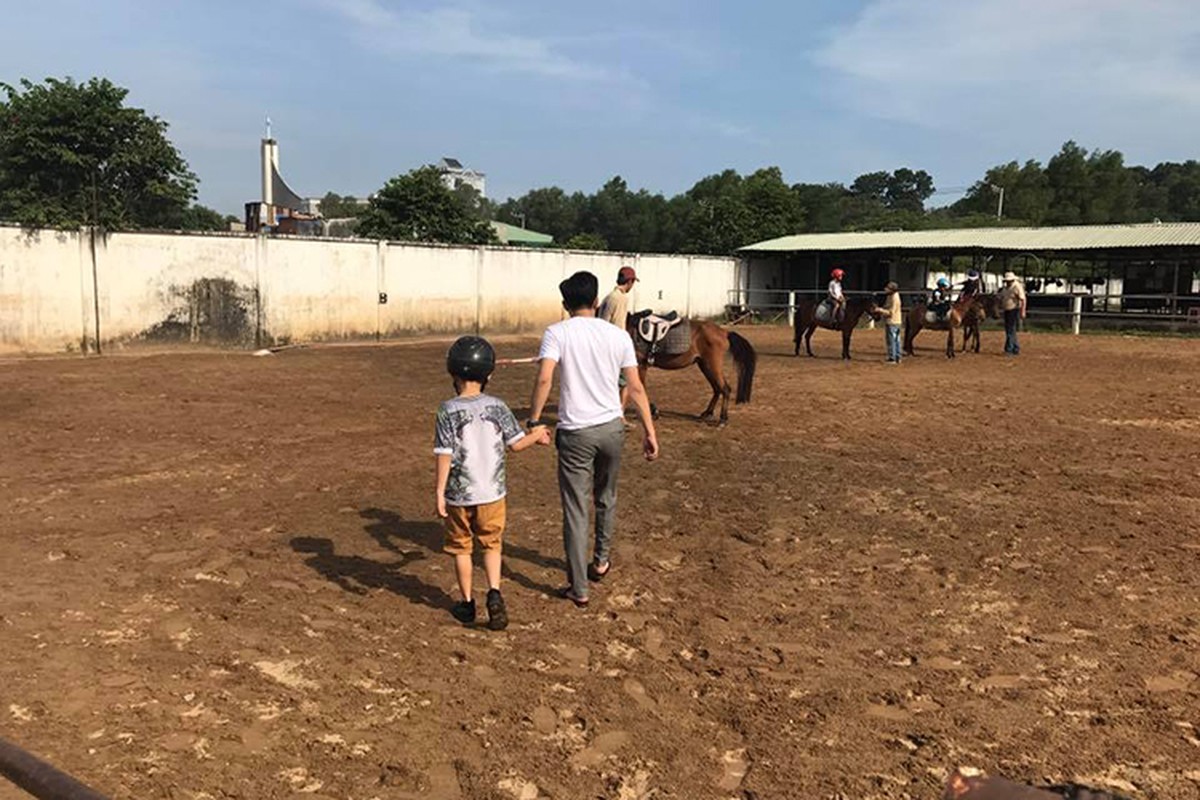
{"points": [[540, 435], [650, 446], [441, 506]]}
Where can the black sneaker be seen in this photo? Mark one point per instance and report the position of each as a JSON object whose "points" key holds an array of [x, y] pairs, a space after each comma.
{"points": [[497, 613], [464, 611]]}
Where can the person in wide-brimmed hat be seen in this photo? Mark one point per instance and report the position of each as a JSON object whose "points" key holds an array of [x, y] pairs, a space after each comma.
{"points": [[894, 319], [1012, 302]]}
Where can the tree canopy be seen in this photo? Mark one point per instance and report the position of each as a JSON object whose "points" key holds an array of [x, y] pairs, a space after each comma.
{"points": [[418, 206], [73, 154]]}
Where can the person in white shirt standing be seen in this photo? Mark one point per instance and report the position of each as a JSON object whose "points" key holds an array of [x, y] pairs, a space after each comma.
{"points": [[590, 354]]}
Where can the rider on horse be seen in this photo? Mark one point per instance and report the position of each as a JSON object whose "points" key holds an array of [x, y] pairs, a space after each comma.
{"points": [[939, 301], [837, 298], [971, 286]]}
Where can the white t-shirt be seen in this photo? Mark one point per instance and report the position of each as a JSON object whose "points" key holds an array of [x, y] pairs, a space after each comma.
{"points": [[591, 354], [835, 289]]}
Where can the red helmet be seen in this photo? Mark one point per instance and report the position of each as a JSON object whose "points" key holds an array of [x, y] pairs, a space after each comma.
{"points": [[838, 274]]}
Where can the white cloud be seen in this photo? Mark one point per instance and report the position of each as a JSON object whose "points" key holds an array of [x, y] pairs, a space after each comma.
{"points": [[459, 33], [1109, 71]]}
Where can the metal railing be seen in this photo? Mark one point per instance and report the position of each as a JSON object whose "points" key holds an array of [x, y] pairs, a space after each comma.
{"points": [[1171, 310]]}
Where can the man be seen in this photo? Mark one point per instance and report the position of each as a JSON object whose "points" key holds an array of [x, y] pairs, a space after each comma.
{"points": [[895, 319], [589, 354], [837, 298], [615, 309], [1012, 302]]}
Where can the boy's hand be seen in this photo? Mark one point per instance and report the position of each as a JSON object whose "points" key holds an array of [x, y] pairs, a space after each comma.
{"points": [[441, 507], [541, 434]]}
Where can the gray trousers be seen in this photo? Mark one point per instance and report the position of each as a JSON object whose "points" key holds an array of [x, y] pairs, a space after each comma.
{"points": [[588, 462]]}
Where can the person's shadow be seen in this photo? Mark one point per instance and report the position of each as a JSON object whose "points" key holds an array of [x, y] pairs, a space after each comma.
{"points": [[359, 575], [387, 528]]}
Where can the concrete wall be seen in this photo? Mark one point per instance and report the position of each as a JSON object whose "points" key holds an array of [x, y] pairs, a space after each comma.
{"points": [[243, 289]]}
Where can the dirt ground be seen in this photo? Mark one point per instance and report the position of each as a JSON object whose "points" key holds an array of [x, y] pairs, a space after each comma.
{"points": [[222, 579]]}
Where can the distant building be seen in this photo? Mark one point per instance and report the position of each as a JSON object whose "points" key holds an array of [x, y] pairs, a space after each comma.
{"points": [[454, 175], [516, 236]]}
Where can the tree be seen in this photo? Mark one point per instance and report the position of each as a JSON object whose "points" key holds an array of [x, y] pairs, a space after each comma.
{"points": [[418, 206], [1070, 184], [823, 205], [549, 210], [73, 154], [586, 241], [336, 206], [908, 190], [1027, 194], [202, 218]]}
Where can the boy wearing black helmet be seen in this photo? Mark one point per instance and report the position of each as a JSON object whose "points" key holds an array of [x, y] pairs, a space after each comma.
{"points": [[473, 431]]}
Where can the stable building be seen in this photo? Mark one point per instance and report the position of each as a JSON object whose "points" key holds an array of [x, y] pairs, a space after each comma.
{"points": [[1152, 270]]}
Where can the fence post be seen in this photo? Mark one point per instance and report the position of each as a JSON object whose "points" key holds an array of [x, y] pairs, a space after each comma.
{"points": [[1076, 313], [792, 308]]}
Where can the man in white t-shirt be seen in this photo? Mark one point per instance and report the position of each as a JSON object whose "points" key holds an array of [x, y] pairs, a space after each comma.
{"points": [[590, 354]]}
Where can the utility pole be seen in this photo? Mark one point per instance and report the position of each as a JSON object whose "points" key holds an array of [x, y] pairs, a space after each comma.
{"points": [[1000, 203]]}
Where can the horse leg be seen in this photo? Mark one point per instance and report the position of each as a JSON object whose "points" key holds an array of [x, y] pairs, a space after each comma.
{"points": [[716, 379], [808, 340], [950, 342], [712, 382], [846, 334]]}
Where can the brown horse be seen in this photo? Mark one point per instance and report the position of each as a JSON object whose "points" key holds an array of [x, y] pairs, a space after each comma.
{"points": [[709, 344], [806, 321], [967, 314]]}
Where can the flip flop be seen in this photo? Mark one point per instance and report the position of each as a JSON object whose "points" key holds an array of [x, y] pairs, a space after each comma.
{"points": [[580, 602], [594, 573]]}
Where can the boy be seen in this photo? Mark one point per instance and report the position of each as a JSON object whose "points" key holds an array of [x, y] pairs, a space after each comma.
{"points": [[473, 430]]}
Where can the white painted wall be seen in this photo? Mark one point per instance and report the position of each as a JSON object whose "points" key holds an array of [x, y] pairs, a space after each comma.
{"points": [[314, 289]]}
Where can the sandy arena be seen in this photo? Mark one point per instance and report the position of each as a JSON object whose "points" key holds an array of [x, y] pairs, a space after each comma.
{"points": [[222, 579]]}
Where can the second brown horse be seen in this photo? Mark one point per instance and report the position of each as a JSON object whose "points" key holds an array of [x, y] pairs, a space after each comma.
{"points": [[710, 342]]}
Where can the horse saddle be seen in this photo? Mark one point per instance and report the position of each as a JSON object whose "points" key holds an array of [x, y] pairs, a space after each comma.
{"points": [[824, 313], [667, 333]]}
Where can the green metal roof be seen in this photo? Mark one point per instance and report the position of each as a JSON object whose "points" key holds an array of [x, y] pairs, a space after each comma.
{"points": [[1074, 237], [515, 234]]}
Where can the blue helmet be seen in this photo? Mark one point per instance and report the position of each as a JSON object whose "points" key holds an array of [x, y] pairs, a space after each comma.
{"points": [[943, 283]]}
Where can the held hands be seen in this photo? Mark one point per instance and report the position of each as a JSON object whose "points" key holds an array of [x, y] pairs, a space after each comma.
{"points": [[540, 435]]}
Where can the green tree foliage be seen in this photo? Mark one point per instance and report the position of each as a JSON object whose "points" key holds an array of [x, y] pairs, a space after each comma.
{"points": [[202, 218], [336, 206], [419, 207], [73, 154], [586, 241]]}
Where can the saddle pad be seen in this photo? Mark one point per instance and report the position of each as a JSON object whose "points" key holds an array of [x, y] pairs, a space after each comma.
{"points": [[654, 328], [824, 312], [931, 318], [677, 340]]}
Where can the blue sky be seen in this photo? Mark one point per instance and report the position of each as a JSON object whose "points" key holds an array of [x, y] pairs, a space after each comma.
{"points": [[661, 92]]}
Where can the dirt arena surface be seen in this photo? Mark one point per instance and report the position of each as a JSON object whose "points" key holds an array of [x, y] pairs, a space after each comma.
{"points": [[221, 579]]}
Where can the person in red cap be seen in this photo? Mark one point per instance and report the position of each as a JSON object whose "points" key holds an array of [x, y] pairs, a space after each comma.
{"points": [[615, 309]]}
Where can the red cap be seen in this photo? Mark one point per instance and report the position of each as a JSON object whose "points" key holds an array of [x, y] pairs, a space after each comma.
{"points": [[626, 275]]}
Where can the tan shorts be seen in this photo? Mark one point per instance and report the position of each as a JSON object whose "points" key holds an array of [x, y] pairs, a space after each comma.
{"points": [[466, 523]]}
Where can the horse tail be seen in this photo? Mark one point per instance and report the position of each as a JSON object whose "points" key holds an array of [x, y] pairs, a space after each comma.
{"points": [[747, 361]]}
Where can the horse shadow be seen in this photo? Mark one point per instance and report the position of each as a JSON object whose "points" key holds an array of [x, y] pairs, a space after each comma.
{"points": [[389, 529]]}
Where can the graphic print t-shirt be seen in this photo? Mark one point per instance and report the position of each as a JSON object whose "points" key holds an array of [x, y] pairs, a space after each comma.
{"points": [[475, 432]]}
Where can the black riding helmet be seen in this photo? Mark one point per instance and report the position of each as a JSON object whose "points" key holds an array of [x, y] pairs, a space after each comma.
{"points": [[471, 358]]}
